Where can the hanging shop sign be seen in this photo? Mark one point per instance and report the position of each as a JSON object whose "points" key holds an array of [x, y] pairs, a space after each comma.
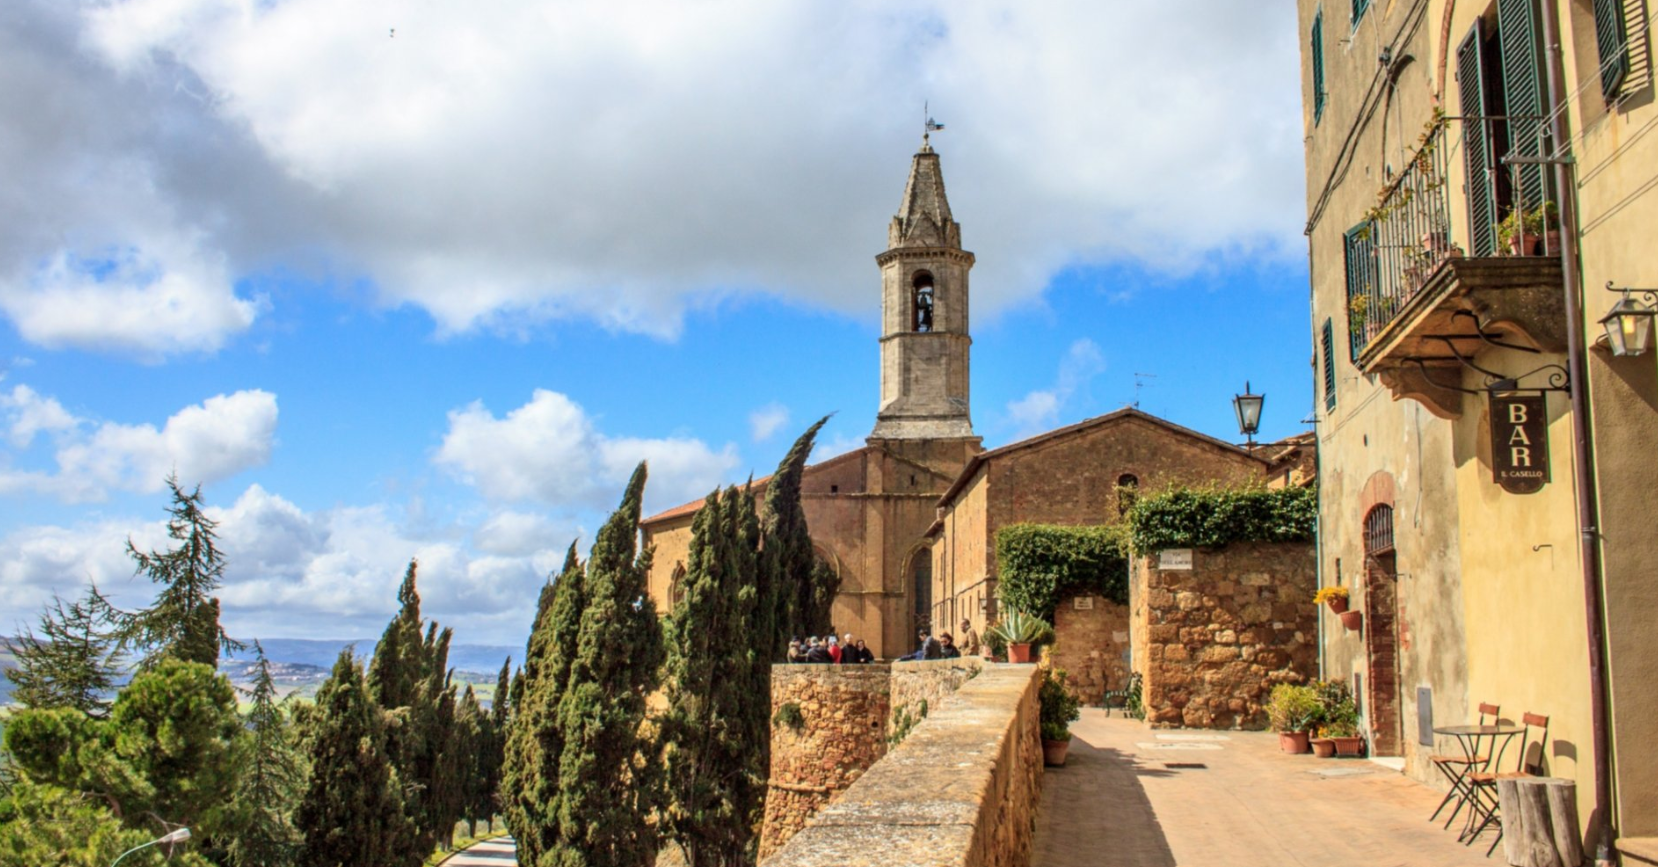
{"points": [[1520, 441]]}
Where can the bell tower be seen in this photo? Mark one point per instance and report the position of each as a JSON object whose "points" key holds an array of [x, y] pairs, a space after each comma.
{"points": [[924, 336]]}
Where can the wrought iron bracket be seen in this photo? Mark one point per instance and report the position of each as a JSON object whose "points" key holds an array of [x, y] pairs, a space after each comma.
{"points": [[1650, 296]]}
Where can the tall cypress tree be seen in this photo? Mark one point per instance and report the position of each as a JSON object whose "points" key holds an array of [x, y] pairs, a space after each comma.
{"points": [[71, 665], [789, 557], [352, 810], [471, 757], [271, 782], [607, 790], [396, 669]]}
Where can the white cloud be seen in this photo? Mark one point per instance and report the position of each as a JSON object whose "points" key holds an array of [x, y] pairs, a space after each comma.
{"points": [[764, 422], [1038, 411], [549, 451], [202, 443], [502, 164]]}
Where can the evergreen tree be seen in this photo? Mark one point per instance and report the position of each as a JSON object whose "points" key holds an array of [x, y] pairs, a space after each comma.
{"points": [[72, 665], [44, 825], [272, 779], [396, 668], [470, 756], [498, 705], [183, 622], [352, 811], [516, 699], [789, 557], [607, 793]]}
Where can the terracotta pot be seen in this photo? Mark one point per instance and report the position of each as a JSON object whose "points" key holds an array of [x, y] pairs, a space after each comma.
{"points": [[1323, 747], [1053, 752], [1352, 619], [1293, 743], [1018, 653], [1338, 604], [1353, 746]]}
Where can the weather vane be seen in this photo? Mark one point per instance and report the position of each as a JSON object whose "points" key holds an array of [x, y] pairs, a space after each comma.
{"points": [[930, 126]]}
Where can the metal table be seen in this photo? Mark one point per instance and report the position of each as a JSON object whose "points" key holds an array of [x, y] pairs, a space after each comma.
{"points": [[1468, 738]]}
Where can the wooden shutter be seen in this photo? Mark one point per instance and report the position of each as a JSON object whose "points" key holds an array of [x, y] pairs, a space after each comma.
{"points": [[1329, 348], [1519, 35], [1612, 38], [1318, 67], [1358, 10], [1360, 249], [1477, 143]]}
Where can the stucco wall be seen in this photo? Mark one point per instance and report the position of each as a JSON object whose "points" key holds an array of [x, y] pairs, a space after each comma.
{"points": [[961, 791], [1221, 634]]}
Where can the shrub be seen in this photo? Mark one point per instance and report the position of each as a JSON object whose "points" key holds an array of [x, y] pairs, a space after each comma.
{"points": [[1059, 706], [789, 715], [1192, 518], [1325, 594], [1017, 627], [1293, 708], [1039, 565]]}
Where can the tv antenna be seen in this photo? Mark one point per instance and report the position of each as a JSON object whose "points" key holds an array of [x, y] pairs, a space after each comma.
{"points": [[1139, 382]]}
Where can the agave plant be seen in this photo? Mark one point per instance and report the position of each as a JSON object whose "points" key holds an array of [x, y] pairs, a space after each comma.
{"points": [[1018, 627]]}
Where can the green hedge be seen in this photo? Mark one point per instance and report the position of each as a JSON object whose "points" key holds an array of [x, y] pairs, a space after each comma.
{"points": [[1189, 518], [1039, 565]]}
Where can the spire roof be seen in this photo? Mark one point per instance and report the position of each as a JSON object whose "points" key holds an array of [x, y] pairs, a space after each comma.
{"points": [[923, 218]]}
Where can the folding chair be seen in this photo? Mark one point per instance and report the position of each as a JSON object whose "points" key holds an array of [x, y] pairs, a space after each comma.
{"points": [[1457, 768], [1485, 782]]}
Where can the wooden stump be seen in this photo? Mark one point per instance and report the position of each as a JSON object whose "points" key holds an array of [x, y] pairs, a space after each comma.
{"points": [[1539, 821]]}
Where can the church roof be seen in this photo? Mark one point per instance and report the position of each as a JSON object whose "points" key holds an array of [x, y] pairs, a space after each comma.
{"points": [[759, 486], [923, 218], [1121, 415]]}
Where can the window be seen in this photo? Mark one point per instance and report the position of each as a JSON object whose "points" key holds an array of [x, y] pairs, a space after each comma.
{"points": [[1364, 307], [922, 302], [921, 582], [1329, 347], [1358, 11], [1318, 67], [1612, 39]]}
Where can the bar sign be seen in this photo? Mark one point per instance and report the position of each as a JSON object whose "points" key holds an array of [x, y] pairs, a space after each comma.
{"points": [[1520, 441]]}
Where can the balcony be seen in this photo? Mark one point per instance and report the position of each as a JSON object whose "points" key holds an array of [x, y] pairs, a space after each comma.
{"points": [[1419, 304]]}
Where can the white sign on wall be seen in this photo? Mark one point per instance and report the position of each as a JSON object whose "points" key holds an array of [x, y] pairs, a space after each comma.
{"points": [[1175, 559], [1083, 603]]}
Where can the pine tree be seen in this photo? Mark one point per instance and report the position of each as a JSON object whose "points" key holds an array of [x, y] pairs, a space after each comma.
{"points": [[72, 665], [183, 622], [272, 779], [352, 810], [789, 557], [607, 790]]}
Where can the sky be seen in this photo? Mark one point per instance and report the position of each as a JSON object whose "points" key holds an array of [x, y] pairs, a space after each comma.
{"points": [[398, 279]]}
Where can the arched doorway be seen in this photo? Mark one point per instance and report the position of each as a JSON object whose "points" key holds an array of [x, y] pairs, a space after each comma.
{"points": [[1381, 611], [921, 589]]}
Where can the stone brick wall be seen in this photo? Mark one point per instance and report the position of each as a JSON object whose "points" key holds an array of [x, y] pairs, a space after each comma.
{"points": [[930, 681], [961, 791], [1219, 636], [1091, 645]]}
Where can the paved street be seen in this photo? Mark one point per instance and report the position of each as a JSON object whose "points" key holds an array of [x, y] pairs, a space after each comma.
{"points": [[498, 852], [1131, 796]]}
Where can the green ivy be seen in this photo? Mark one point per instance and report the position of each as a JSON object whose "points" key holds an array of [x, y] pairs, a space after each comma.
{"points": [[1192, 518], [1039, 565], [789, 715]]}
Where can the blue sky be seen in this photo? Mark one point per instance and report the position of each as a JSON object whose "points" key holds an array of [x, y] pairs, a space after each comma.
{"points": [[435, 297]]}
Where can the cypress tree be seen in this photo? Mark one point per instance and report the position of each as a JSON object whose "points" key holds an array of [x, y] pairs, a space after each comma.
{"points": [[183, 622], [272, 779], [396, 668], [498, 705], [72, 665], [789, 557], [607, 790], [471, 757], [352, 810]]}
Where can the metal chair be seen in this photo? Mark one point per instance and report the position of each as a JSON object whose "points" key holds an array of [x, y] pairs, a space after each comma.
{"points": [[1457, 768], [1484, 783], [1118, 698]]}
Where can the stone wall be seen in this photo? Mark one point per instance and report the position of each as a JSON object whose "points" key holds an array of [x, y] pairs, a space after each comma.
{"points": [[849, 714], [1091, 645], [962, 790], [1220, 635]]}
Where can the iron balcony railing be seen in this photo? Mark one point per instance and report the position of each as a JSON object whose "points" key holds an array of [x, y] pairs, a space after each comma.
{"points": [[1503, 209]]}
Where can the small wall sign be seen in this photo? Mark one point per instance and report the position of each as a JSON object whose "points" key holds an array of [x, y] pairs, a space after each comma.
{"points": [[1520, 441], [1175, 559], [1083, 603]]}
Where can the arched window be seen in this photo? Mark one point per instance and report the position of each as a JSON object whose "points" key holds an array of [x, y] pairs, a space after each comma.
{"points": [[1378, 531], [1128, 491], [676, 587], [921, 583], [921, 302]]}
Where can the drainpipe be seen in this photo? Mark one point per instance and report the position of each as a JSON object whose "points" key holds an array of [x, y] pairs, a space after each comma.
{"points": [[1587, 514]]}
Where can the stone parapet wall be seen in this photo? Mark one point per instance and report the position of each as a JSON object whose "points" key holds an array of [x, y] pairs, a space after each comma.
{"points": [[1218, 636], [918, 687], [962, 790]]}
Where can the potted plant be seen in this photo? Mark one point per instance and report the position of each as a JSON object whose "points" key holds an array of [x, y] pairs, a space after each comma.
{"points": [[1521, 231], [1353, 620], [1021, 631], [1059, 708], [1339, 718], [1292, 710], [1323, 747], [998, 645], [1335, 597]]}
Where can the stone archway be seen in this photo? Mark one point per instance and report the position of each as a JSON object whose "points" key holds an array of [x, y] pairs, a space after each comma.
{"points": [[919, 573], [1381, 611]]}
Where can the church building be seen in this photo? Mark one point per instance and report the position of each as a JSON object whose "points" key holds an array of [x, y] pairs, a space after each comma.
{"points": [[884, 515]]}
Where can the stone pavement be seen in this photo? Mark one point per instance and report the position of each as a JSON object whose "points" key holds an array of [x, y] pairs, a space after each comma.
{"points": [[498, 852], [1132, 796]]}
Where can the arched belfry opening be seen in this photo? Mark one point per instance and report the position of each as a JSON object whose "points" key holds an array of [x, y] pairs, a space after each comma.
{"points": [[921, 302]]}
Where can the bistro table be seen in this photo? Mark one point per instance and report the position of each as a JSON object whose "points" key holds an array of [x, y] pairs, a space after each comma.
{"points": [[1468, 738]]}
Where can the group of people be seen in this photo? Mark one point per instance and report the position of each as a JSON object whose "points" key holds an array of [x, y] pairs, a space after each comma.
{"points": [[945, 645], [829, 649]]}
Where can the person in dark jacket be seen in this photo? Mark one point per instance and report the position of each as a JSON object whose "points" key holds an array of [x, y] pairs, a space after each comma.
{"points": [[816, 652], [864, 653], [947, 647], [929, 649]]}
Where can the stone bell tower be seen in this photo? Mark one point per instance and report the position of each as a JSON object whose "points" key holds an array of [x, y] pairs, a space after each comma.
{"points": [[924, 336]]}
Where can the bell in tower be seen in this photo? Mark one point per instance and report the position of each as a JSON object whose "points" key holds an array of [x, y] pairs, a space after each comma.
{"points": [[924, 334]]}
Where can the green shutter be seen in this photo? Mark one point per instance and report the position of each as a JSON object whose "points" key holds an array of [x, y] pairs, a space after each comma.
{"points": [[1519, 36], [1360, 250], [1612, 38], [1318, 67], [1477, 144], [1329, 346], [1358, 10]]}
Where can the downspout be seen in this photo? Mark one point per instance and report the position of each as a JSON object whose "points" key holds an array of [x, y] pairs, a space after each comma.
{"points": [[1578, 384]]}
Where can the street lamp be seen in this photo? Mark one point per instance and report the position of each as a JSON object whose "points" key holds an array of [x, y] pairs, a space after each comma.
{"points": [[177, 835], [1248, 408], [1629, 324]]}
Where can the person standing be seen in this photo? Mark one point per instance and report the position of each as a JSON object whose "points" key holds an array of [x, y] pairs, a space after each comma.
{"points": [[864, 653], [835, 650], [969, 643]]}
